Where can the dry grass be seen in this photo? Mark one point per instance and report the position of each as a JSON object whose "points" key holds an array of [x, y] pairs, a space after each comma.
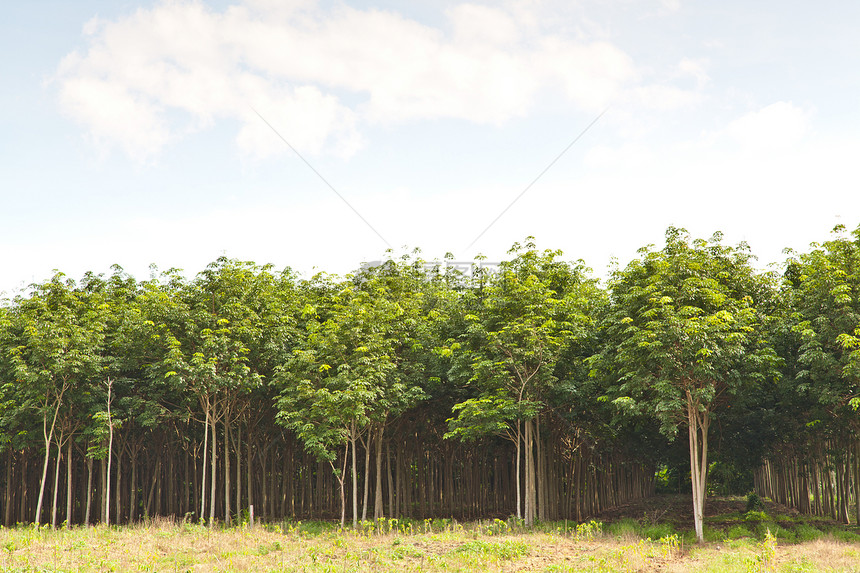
{"points": [[165, 546]]}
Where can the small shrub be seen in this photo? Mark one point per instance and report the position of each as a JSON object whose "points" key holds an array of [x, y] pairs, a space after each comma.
{"points": [[765, 556], [738, 532], [670, 546], [712, 534], [754, 502], [265, 549], [842, 535], [805, 532], [589, 531], [626, 528], [773, 529], [657, 531], [756, 516]]}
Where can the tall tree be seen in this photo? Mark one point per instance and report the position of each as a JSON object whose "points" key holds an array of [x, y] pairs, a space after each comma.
{"points": [[683, 335], [209, 354], [61, 333], [825, 288], [530, 313], [332, 384]]}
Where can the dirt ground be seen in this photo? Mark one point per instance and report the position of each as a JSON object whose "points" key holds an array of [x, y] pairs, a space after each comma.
{"points": [[677, 509]]}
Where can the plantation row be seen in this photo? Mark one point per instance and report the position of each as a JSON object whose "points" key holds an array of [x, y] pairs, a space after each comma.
{"points": [[416, 391]]}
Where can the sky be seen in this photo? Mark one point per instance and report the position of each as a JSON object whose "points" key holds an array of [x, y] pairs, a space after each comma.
{"points": [[318, 135]]}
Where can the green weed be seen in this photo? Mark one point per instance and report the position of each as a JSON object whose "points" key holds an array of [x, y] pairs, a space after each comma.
{"points": [[624, 529], [769, 528], [588, 531], [754, 502], [805, 532], [756, 516], [503, 550], [738, 532], [843, 535], [765, 557]]}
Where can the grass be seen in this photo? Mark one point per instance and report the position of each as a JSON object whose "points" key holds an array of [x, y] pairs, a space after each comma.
{"points": [[735, 543]]}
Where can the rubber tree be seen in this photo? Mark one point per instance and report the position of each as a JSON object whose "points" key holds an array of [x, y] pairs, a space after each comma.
{"points": [[60, 331], [530, 313], [208, 355], [329, 389], [684, 334], [825, 287]]}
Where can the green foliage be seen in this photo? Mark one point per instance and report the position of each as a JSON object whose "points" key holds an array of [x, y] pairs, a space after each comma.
{"points": [[768, 529], [685, 324], [765, 556], [738, 532], [503, 550], [728, 478], [843, 535], [488, 415], [685, 334], [754, 502], [805, 532], [756, 516], [526, 320], [589, 530], [625, 528]]}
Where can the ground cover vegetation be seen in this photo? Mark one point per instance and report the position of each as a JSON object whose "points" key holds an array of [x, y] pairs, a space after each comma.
{"points": [[772, 538], [413, 391]]}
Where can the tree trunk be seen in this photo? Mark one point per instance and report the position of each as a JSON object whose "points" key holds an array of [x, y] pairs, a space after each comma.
{"points": [[132, 497], [68, 484], [48, 436], [391, 508], [248, 481], [352, 438], [531, 490], [117, 500], [102, 499], [540, 477], [213, 474], [227, 519], [7, 507], [89, 491], [155, 480], [56, 482], [698, 423], [857, 480], [366, 494], [238, 446], [341, 478], [109, 456], [519, 488], [203, 471], [377, 505]]}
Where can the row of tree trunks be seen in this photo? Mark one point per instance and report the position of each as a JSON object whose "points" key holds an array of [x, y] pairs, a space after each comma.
{"points": [[823, 480], [399, 473]]}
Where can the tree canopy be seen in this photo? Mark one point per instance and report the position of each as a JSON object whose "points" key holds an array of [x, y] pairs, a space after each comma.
{"points": [[411, 389]]}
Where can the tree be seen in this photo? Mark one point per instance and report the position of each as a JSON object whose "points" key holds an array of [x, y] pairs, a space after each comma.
{"points": [[60, 335], [824, 285], [684, 333], [329, 388], [209, 353], [529, 315]]}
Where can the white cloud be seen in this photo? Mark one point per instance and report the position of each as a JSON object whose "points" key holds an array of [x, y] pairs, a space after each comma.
{"points": [[776, 127], [663, 97], [116, 115], [182, 61], [695, 68]]}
